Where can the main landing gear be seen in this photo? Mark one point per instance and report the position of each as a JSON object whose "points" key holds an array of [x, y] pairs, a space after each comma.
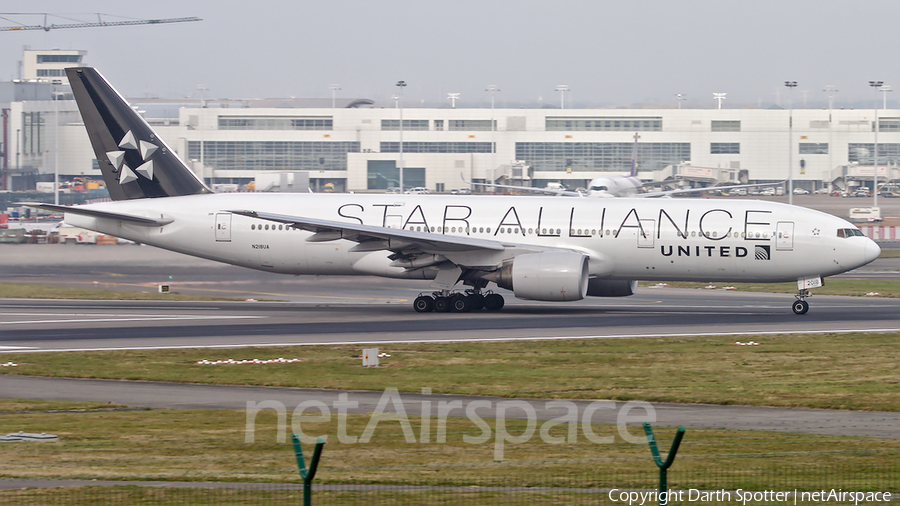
{"points": [[445, 302], [800, 305]]}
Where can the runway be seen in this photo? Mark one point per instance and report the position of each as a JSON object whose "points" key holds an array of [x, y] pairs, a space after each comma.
{"points": [[54, 325], [343, 309]]}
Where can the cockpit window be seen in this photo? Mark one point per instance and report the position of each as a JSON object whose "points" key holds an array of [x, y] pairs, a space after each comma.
{"points": [[849, 232], [599, 188]]}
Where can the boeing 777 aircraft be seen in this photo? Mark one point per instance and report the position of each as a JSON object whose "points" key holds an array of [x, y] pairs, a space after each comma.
{"points": [[540, 248]]}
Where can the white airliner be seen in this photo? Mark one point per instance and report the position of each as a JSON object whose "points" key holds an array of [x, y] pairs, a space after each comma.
{"points": [[540, 248]]}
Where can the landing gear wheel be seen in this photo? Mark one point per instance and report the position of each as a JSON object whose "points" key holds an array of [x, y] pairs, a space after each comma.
{"points": [[424, 304], [800, 307], [493, 302], [443, 304], [461, 304], [477, 301]]}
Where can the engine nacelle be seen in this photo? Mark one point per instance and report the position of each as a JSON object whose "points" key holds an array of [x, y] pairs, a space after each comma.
{"points": [[550, 276], [611, 287]]}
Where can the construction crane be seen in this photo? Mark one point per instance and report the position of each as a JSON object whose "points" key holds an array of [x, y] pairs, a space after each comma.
{"points": [[93, 24]]}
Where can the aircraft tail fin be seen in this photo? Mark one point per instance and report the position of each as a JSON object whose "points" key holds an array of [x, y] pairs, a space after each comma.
{"points": [[135, 162]]}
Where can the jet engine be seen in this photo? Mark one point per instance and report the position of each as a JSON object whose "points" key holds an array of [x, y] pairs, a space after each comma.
{"points": [[611, 287], [550, 276]]}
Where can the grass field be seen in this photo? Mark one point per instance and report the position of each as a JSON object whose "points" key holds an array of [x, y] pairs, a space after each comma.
{"points": [[209, 445], [839, 371]]}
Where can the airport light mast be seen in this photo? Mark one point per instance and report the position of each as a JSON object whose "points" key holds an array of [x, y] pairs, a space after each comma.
{"points": [[562, 89], [400, 85], [680, 97], [831, 91], [877, 85], [719, 97], [453, 97], [791, 85]]}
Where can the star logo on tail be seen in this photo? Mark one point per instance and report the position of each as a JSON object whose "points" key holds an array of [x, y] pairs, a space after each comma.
{"points": [[117, 158]]}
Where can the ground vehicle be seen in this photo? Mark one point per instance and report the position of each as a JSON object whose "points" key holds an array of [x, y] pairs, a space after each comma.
{"points": [[328, 188], [801, 191], [419, 190], [767, 191], [862, 192]]}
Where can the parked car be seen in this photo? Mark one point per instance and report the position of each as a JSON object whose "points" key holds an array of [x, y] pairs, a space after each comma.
{"points": [[419, 190], [821, 191], [861, 192], [465, 191], [767, 191], [801, 191], [392, 190]]}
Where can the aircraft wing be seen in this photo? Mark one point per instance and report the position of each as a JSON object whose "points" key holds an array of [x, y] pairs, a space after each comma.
{"points": [[371, 238], [130, 218]]}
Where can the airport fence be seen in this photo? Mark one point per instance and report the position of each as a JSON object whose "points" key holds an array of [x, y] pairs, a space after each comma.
{"points": [[531, 485]]}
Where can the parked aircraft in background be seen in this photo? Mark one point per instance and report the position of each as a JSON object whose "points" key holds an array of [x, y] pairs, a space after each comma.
{"points": [[618, 186], [540, 248]]}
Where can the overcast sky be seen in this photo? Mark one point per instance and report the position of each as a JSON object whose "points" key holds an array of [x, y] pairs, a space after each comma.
{"points": [[620, 53]]}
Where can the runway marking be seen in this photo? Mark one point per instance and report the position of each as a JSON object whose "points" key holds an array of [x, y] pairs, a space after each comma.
{"points": [[478, 339], [17, 348], [134, 319]]}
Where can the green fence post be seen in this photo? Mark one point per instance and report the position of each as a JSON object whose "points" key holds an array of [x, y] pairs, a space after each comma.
{"points": [[663, 466], [309, 474]]}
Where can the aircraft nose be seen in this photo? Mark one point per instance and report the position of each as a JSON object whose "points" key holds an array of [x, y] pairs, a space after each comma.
{"points": [[872, 250]]}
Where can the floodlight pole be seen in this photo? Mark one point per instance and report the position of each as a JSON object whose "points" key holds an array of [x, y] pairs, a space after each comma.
{"points": [[681, 97], [492, 89], [877, 85], [719, 97], [791, 85], [831, 90], [334, 89], [562, 89], [400, 86], [56, 146]]}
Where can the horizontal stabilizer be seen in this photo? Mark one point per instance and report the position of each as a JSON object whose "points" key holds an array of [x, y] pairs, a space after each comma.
{"points": [[136, 220]]}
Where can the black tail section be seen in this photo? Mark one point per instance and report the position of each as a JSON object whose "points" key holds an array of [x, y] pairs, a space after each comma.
{"points": [[134, 161]]}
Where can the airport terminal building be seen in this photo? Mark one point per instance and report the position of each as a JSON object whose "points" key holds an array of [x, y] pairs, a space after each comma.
{"points": [[355, 144]]}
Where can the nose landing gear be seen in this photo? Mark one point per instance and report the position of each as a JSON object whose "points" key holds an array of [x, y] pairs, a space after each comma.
{"points": [[800, 305]]}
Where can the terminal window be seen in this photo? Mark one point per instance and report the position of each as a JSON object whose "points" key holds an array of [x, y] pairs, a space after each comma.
{"points": [[864, 153], [725, 148], [408, 124], [273, 155], [813, 148], [58, 58], [437, 147], [601, 156], [888, 124], [275, 123], [471, 124], [726, 126], [603, 124]]}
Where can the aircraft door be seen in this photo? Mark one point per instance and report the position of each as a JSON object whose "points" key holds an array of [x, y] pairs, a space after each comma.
{"points": [[645, 239], [784, 236], [223, 227]]}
